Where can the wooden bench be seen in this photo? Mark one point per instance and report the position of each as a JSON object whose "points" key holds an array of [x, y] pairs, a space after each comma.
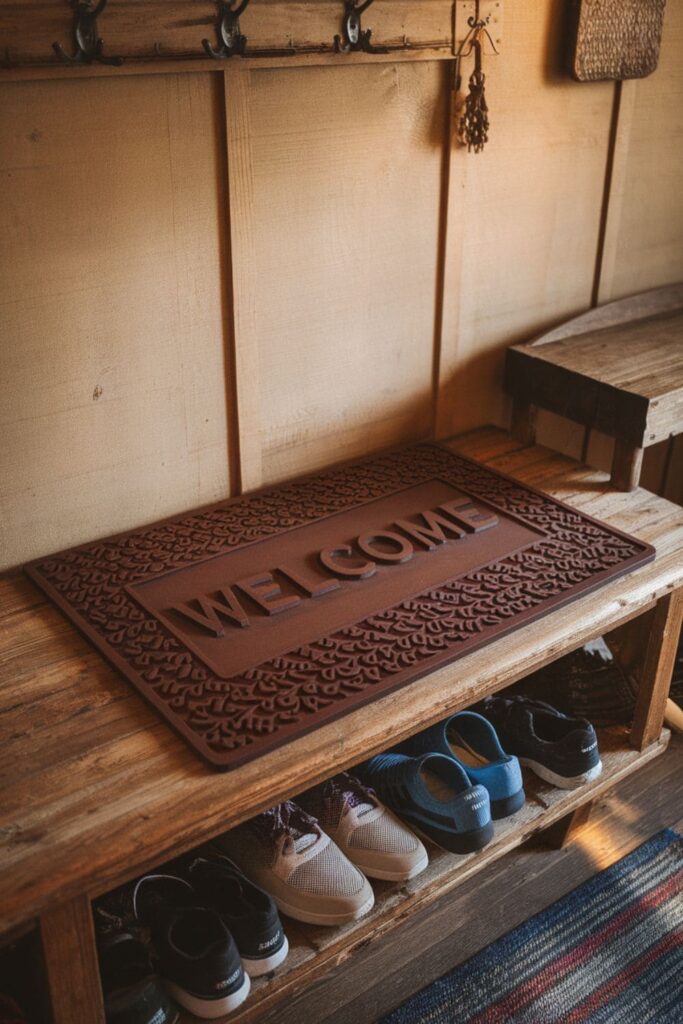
{"points": [[617, 369], [96, 789]]}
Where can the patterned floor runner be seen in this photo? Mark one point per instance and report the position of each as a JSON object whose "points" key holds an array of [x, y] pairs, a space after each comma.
{"points": [[611, 952]]}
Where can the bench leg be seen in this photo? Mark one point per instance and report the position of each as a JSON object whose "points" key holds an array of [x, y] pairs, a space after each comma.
{"points": [[657, 668], [70, 953], [523, 426], [564, 830], [627, 462]]}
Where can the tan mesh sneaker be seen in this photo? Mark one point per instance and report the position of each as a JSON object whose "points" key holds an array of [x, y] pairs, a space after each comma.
{"points": [[365, 830], [287, 853]]}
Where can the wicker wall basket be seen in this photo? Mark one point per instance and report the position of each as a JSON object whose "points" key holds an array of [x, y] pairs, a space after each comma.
{"points": [[615, 39]]}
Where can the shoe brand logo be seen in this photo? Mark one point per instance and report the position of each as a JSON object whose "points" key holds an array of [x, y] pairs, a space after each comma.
{"points": [[229, 981], [259, 601], [270, 942]]}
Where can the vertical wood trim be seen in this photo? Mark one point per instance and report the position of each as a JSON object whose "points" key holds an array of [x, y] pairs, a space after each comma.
{"points": [[241, 213], [658, 664], [616, 178], [68, 937], [443, 262]]}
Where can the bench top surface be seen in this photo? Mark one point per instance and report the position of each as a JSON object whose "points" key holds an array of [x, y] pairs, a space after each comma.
{"points": [[644, 357], [95, 787]]}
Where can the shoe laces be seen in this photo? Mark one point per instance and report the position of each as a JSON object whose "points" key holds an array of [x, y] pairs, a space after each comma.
{"points": [[351, 790], [287, 819]]}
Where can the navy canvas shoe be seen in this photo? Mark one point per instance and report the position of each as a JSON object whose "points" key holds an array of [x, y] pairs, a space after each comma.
{"points": [[248, 911], [561, 750], [197, 955], [472, 741], [433, 794]]}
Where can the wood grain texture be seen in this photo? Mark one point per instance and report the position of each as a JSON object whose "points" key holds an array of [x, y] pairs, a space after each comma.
{"points": [[94, 788], [70, 955], [131, 28], [396, 904], [657, 667], [347, 178], [521, 250], [113, 357], [644, 233], [625, 380]]}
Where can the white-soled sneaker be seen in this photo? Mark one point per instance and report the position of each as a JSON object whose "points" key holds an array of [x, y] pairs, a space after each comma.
{"points": [[286, 852], [370, 835]]}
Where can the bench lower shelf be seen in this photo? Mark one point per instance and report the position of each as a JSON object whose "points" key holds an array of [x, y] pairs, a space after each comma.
{"points": [[314, 951]]}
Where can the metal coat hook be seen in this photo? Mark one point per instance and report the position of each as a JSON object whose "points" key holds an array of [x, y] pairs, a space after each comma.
{"points": [[228, 27], [89, 45], [355, 38]]}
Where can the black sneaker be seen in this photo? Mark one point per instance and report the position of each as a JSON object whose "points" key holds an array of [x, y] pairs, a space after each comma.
{"points": [[561, 750], [197, 954], [132, 992], [248, 911]]}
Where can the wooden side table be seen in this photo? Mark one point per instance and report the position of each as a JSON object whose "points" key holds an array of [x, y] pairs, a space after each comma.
{"points": [[618, 369]]}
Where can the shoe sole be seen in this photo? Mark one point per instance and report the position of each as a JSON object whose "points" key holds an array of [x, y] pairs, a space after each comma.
{"points": [[393, 876], [507, 805], [461, 842], [562, 781], [210, 1009], [308, 917], [256, 967]]}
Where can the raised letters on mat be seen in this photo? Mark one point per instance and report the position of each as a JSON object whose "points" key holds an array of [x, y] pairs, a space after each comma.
{"points": [[251, 622]]}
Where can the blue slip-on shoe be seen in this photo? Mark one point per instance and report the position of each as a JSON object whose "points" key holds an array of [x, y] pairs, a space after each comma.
{"points": [[433, 794], [472, 742]]}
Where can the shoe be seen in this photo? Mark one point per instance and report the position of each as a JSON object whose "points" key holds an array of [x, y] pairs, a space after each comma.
{"points": [[197, 955], [365, 830], [561, 750], [433, 794], [249, 912], [285, 852], [132, 992], [471, 741]]}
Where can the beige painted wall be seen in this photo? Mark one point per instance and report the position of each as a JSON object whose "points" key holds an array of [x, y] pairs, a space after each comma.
{"points": [[143, 355]]}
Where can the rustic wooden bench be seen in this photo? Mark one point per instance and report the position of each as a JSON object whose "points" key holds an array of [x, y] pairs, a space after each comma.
{"points": [[617, 369], [96, 789]]}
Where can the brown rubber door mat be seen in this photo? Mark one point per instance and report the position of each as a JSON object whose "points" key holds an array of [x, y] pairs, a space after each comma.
{"points": [[253, 621]]}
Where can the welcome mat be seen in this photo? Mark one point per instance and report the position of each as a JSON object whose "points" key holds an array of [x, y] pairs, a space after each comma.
{"points": [[255, 620], [611, 952]]}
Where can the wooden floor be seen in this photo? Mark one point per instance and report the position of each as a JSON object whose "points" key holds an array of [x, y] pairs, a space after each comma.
{"points": [[433, 941]]}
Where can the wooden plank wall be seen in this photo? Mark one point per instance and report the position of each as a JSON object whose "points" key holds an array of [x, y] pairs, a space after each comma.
{"points": [[226, 277]]}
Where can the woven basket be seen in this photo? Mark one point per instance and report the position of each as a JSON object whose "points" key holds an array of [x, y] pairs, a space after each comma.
{"points": [[615, 39]]}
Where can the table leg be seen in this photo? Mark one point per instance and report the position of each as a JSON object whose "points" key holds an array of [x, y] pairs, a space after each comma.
{"points": [[68, 937], [657, 668], [564, 830], [523, 427], [627, 462]]}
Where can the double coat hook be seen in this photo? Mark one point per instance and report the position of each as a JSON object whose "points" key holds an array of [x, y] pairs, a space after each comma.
{"points": [[88, 43], [232, 42], [355, 38]]}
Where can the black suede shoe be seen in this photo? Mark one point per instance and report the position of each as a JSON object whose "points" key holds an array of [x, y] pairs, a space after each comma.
{"points": [[248, 911], [132, 992], [561, 750], [197, 954]]}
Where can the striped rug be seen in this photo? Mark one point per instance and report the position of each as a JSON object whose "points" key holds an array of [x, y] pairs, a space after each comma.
{"points": [[611, 952]]}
